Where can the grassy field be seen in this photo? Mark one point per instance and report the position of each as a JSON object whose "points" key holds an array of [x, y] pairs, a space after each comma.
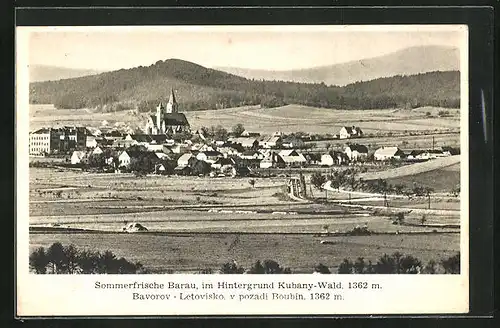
{"points": [[290, 118], [301, 253]]}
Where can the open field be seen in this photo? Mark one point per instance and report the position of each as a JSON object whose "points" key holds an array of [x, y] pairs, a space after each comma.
{"points": [[443, 179], [413, 169], [191, 252], [290, 118]]}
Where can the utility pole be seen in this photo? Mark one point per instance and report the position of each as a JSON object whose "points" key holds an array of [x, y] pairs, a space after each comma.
{"points": [[429, 199], [432, 142]]}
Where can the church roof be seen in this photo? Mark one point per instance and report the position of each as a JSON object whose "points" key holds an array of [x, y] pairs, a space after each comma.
{"points": [[172, 119]]}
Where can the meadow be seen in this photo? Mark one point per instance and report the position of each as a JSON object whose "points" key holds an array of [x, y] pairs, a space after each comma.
{"points": [[301, 253], [287, 119]]}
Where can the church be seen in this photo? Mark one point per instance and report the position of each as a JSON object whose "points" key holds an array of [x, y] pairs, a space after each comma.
{"points": [[167, 119]]}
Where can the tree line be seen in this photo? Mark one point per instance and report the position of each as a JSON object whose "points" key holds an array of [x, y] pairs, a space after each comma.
{"points": [[197, 88], [59, 259]]}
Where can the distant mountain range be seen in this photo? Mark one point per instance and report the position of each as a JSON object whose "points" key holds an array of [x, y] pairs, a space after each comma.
{"points": [[198, 87], [409, 61], [40, 73]]}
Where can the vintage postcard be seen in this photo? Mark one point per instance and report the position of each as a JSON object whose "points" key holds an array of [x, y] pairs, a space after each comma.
{"points": [[242, 170]]}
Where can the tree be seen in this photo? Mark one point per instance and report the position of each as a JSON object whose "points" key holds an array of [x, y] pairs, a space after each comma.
{"points": [[220, 133], [360, 265], [38, 260], [231, 268], [252, 182], [346, 267], [238, 129], [57, 258], [321, 268], [199, 167], [257, 268], [451, 265], [318, 179]]}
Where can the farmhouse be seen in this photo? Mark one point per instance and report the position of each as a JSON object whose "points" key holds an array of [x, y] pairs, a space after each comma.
{"points": [[167, 119], [249, 134], [271, 142], [292, 142], [246, 142], [272, 160], [356, 152], [97, 150], [347, 132], [292, 157], [128, 157], [230, 149], [184, 159], [209, 156], [224, 164], [78, 157], [385, 153], [251, 154]]}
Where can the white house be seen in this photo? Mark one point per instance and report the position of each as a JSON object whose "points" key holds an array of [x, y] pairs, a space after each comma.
{"points": [[356, 152], [97, 150], [347, 132], [327, 160], [270, 142], [209, 156], [183, 161], [385, 153], [78, 156], [292, 157], [251, 154]]}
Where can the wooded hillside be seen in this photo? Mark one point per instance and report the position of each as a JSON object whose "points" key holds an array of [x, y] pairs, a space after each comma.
{"points": [[199, 88]]}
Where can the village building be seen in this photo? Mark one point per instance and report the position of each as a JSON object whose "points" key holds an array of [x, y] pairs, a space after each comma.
{"points": [[313, 158], [271, 142], [224, 165], [251, 154], [51, 140], [292, 142], [184, 159], [209, 156], [292, 157], [246, 133], [78, 156], [386, 153], [245, 142], [356, 152], [347, 132], [167, 119], [128, 157], [230, 149], [97, 151]]}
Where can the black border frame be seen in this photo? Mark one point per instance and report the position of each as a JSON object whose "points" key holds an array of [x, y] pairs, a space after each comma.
{"points": [[480, 22]]}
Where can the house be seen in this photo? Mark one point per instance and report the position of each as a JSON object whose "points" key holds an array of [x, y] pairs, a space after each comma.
{"points": [[246, 142], [356, 152], [184, 159], [205, 147], [162, 156], [78, 157], [249, 134], [327, 160], [313, 158], [385, 153], [251, 154], [209, 156], [347, 132], [128, 157], [97, 150], [431, 154], [271, 142], [292, 157], [292, 142], [230, 149], [224, 164]]}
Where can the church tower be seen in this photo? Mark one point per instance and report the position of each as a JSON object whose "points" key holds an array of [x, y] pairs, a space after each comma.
{"points": [[172, 106], [159, 117]]}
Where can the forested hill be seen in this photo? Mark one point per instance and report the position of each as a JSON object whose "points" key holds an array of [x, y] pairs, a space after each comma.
{"points": [[198, 88]]}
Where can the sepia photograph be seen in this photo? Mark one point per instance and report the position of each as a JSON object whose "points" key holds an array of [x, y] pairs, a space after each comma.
{"points": [[245, 150]]}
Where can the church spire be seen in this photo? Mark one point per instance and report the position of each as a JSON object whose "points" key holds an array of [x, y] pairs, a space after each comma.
{"points": [[172, 103]]}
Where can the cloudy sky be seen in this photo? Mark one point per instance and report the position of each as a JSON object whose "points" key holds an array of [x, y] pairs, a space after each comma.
{"points": [[273, 48]]}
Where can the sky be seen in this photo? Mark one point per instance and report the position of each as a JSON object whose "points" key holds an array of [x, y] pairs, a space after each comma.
{"points": [[257, 47]]}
